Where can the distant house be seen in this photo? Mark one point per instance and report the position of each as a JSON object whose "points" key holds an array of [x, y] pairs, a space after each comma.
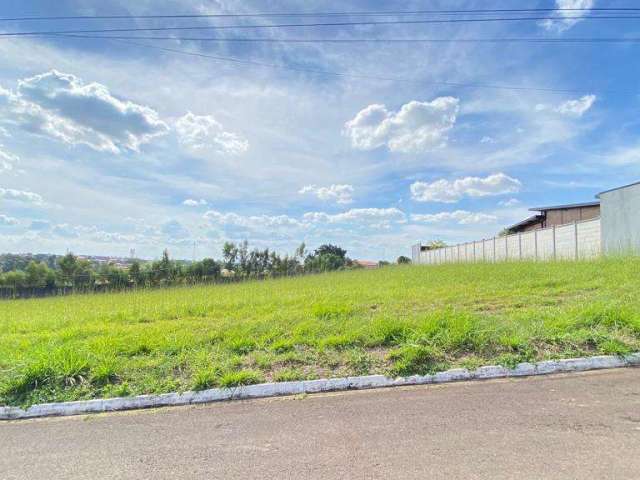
{"points": [[366, 263], [557, 215]]}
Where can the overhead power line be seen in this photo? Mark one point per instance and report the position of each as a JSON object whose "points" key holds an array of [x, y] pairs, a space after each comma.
{"points": [[322, 14], [362, 40], [320, 24], [347, 75]]}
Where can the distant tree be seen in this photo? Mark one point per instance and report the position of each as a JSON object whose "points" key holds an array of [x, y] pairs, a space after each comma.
{"points": [[402, 260], [15, 279], [135, 273], [229, 255], [301, 251], [383, 263], [68, 266], [330, 249]]}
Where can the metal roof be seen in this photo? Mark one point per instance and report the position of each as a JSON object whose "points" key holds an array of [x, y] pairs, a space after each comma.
{"points": [[526, 221], [569, 205], [618, 188]]}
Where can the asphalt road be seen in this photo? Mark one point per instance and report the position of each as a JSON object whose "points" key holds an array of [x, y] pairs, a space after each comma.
{"points": [[566, 426]]}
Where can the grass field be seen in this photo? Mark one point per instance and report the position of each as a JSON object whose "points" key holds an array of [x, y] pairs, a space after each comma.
{"points": [[397, 321]]}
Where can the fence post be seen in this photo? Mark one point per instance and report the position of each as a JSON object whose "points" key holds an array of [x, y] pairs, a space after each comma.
{"points": [[575, 238], [554, 243], [494, 250], [506, 247], [520, 245], [535, 243]]}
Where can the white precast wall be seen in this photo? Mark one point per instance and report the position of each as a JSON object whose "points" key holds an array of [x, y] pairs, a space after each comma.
{"points": [[566, 242]]}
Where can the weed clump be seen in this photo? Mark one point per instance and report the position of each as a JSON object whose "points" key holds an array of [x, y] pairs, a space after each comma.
{"points": [[242, 377], [416, 360]]}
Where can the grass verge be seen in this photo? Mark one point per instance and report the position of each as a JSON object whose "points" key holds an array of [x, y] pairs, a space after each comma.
{"points": [[395, 321]]}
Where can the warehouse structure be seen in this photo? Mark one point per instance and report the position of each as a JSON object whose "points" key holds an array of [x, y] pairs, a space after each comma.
{"points": [[611, 225]]}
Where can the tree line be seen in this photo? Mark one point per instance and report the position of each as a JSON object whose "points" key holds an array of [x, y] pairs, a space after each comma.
{"points": [[69, 273]]}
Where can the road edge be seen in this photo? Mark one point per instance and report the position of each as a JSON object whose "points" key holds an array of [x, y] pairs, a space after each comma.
{"points": [[316, 386]]}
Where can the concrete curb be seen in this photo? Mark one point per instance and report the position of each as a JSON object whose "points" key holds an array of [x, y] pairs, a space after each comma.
{"points": [[316, 386]]}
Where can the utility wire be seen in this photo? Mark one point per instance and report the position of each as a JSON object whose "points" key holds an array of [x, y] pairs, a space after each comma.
{"points": [[362, 40], [319, 24], [346, 75], [321, 14]]}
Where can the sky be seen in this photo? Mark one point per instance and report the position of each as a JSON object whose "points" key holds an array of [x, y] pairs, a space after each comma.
{"points": [[112, 145]]}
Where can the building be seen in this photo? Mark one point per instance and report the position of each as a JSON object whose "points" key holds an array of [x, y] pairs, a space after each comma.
{"points": [[557, 215], [366, 263], [610, 225], [620, 219]]}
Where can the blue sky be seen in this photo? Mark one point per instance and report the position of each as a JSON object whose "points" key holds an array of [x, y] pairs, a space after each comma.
{"points": [[107, 146]]}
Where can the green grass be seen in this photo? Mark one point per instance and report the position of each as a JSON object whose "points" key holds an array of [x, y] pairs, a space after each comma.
{"points": [[396, 321]]}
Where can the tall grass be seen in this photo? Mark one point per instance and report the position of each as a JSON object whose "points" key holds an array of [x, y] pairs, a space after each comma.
{"points": [[397, 321]]}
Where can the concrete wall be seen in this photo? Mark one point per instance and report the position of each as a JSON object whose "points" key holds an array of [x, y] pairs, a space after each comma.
{"points": [[574, 241], [620, 211]]}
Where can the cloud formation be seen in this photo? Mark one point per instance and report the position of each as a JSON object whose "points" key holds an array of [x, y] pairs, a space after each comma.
{"points": [[341, 194], [190, 202], [570, 108], [461, 217], [250, 221], [416, 127], [576, 108], [21, 196], [7, 160], [202, 133], [445, 191], [372, 217], [63, 107], [570, 17], [7, 221]]}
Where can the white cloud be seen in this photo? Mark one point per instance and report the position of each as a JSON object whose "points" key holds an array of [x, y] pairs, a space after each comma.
{"points": [[570, 18], [571, 108], [446, 191], [342, 194], [21, 196], [576, 108], [7, 221], [487, 139], [251, 221], [190, 202], [372, 217], [512, 202], [61, 106], [7, 160], [416, 127], [202, 133], [461, 217]]}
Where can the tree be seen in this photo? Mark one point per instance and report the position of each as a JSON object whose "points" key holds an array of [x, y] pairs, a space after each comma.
{"points": [[229, 255], [68, 265], [329, 249], [135, 273], [301, 251], [402, 260]]}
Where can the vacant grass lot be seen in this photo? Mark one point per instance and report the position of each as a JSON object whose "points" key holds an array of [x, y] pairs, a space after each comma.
{"points": [[398, 321]]}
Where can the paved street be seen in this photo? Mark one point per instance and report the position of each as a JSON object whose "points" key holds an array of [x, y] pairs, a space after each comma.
{"points": [[566, 426]]}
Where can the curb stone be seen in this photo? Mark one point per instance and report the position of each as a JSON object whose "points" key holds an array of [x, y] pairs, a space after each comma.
{"points": [[316, 386]]}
